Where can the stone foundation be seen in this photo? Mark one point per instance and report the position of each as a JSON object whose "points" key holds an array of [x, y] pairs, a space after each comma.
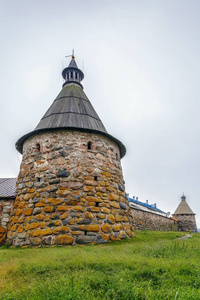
{"points": [[70, 190], [143, 220]]}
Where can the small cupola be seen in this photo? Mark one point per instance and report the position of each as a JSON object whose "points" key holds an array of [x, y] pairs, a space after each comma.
{"points": [[72, 74], [183, 197]]}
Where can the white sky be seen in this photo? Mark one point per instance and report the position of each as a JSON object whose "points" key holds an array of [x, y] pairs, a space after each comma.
{"points": [[141, 65]]}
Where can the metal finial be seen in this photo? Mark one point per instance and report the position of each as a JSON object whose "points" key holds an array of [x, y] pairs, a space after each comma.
{"points": [[72, 55]]}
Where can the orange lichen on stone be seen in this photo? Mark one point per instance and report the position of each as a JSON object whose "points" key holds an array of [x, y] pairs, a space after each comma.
{"points": [[87, 188], [40, 204], [117, 227], [39, 217], [118, 218], [88, 215], [63, 240], [106, 174], [105, 210], [20, 229], [55, 201], [32, 226], [62, 208], [106, 228], [2, 230], [39, 232], [18, 212], [94, 228], [64, 192], [114, 237], [101, 216], [91, 199], [125, 219], [126, 226], [114, 204], [13, 228], [61, 229], [77, 208], [63, 216], [48, 209], [95, 209], [114, 197], [83, 227], [28, 211], [111, 219]]}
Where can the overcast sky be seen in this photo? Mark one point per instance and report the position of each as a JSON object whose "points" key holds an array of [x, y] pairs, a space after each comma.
{"points": [[141, 65]]}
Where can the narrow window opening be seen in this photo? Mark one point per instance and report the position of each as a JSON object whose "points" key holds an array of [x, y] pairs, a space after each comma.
{"points": [[89, 145], [67, 76], [71, 74], [38, 147], [76, 76], [97, 204], [117, 156], [38, 179], [95, 178]]}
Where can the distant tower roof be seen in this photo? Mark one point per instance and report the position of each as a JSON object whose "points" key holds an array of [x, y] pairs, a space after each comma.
{"points": [[71, 110], [183, 208]]}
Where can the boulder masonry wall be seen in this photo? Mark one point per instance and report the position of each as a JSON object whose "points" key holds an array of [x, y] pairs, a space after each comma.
{"points": [[143, 220], [70, 190]]}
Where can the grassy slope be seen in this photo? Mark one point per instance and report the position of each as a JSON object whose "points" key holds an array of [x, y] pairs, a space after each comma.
{"points": [[154, 265]]}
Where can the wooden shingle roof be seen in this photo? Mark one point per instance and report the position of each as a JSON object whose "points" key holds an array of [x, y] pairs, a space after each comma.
{"points": [[7, 187], [71, 110]]}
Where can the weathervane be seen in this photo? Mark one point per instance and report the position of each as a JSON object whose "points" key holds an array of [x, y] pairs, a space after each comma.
{"points": [[72, 56]]}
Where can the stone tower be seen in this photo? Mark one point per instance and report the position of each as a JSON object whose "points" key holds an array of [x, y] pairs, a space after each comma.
{"points": [[70, 188], [185, 216]]}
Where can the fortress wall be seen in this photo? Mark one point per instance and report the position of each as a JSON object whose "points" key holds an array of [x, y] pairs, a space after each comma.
{"points": [[143, 220]]}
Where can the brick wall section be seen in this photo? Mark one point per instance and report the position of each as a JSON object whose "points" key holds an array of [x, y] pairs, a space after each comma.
{"points": [[6, 206], [69, 194], [186, 222], [143, 220]]}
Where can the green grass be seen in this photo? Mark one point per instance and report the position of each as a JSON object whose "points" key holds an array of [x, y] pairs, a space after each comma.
{"points": [[153, 265]]}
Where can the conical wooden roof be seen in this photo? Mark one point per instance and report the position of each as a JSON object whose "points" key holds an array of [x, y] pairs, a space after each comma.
{"points": [[71, 110], [183, 208]]}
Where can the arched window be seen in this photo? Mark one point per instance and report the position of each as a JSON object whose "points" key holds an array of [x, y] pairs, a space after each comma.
{"points": [[89, 145]]}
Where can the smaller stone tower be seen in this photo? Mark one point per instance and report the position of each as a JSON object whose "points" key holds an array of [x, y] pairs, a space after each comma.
{"points": [[185, 216]]}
